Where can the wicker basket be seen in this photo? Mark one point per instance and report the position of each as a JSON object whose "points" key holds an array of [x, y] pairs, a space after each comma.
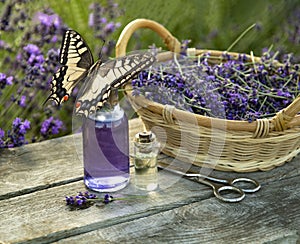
{"points": [[215, 143]]}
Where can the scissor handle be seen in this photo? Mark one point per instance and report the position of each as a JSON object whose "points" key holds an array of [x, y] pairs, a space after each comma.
{"points": [[254, 183], [218, 190]]}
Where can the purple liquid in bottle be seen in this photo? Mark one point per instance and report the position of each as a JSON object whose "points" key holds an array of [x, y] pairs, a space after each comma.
{"points": [[106, 151]]}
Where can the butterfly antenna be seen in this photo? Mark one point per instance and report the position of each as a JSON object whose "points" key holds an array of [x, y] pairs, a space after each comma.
{"points": [[48, 98], [100, 54]]}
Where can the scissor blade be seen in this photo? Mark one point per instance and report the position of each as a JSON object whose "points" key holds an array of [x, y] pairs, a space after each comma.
{"points": [[176, 170]]}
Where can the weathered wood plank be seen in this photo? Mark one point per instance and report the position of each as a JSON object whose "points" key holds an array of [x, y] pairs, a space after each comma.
{"points": [[42, 165], [175, 215], [271, 216], [42, 216]]}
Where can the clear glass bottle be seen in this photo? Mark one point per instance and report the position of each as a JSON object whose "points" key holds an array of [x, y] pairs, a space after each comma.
{"points": [[146, 149], [106, 148]]}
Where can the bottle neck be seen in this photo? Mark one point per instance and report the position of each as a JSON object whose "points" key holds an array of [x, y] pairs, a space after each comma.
{"points": [[111, 110]]}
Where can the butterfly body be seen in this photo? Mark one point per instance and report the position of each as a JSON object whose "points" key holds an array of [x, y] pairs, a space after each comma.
{"points": [[98, 78]]}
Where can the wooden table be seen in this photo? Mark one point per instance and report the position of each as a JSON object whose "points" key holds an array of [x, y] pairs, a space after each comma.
{"points": [[35, 179]]}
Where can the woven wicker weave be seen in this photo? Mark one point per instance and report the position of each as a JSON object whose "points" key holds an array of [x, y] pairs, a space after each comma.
{"points": [[216, 143]]}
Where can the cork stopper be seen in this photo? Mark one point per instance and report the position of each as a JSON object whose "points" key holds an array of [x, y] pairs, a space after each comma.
{"points": [[145, 137]]}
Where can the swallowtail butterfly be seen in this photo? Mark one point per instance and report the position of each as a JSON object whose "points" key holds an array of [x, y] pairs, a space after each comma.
{"points": [[99, 78]]}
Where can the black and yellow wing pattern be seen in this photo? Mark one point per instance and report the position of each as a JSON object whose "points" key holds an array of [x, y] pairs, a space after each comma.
{"points": [[112, 74], [98, 78], [76, 59]]}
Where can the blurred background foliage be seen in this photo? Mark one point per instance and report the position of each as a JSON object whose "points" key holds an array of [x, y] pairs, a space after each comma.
{"points": [[209, 24]]}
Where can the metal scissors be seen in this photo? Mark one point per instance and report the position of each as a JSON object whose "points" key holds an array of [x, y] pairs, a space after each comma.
{"points": [[223, 186]]}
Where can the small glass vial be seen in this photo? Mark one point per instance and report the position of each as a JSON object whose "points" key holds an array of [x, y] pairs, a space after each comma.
{"points": [[146, 149], [106, 148]]}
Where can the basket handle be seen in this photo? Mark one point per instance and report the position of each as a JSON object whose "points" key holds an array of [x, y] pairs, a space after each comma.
{"points": [[171, 42], [282, 118]]}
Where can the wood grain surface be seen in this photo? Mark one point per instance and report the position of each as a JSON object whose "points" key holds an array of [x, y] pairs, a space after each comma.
{"points": [[35, 179]]}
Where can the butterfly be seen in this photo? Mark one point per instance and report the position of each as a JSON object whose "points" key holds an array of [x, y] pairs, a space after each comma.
{"points": [[98, 78]]}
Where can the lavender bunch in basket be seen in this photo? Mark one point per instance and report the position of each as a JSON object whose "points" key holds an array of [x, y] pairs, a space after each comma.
{"points": [[234, 89]]}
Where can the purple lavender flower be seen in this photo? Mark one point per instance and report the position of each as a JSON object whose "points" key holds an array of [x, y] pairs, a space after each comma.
{"points": [[4, 80], [24, 127], [108, 198], [51, 126], [111, 26], [16, 122], [32, 49], [70, 200], [22, 101], [2, 134], [91, 20], [16, 135], [48, 20], [34, 56]]}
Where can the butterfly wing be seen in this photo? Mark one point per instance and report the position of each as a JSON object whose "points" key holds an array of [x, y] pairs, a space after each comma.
{"points": [[76, 59], [104, 77]]}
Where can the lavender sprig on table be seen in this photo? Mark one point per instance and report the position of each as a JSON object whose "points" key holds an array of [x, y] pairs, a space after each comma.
{"points": [[235, 89], [86, 199]]}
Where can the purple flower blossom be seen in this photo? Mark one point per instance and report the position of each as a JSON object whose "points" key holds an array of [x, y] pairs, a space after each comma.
{"points": [[17, 121], [24, 127], [4, 80], [2, 134], [48, 20], [51, 126], [16, 136], [22, 101], [111, 27], [54, 39], [108, 198], [9, 80], [32, 49], [91, 20], [2, 44]]}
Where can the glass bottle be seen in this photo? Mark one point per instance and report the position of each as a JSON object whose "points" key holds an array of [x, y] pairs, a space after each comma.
{"points": [[146, 149], [106, 148]]}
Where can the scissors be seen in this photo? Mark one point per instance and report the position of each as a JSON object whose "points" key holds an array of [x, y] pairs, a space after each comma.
{"points": [[223, 186]]}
